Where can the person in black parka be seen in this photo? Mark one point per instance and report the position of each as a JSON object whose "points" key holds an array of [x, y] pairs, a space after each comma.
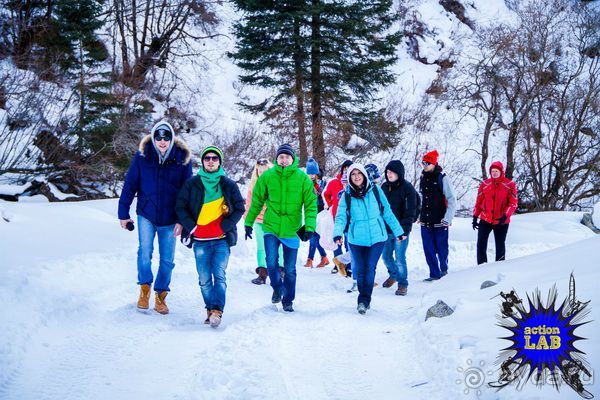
{"points": [[404, 201], [157, 172]]}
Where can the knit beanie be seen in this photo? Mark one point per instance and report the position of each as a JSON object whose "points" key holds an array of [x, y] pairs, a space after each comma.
{"points": [[285, 149], [213, 149], [431, 157], [312, 167]]}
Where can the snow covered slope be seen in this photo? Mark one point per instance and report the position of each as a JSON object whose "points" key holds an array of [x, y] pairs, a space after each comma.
{"points": [[70, 329]]}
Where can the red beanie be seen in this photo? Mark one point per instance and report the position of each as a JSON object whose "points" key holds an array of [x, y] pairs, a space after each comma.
{"points": [[431, 157]]}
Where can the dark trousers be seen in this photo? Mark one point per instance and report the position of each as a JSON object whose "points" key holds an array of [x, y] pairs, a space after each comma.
{"points": [[364, 263], [435, 247], [500, 231]]}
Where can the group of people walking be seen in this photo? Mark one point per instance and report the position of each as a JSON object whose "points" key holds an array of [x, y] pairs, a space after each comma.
{"points": [[371, 221]]}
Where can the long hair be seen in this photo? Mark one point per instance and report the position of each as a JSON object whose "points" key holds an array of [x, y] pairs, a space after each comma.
{"points": [[254, 176]]}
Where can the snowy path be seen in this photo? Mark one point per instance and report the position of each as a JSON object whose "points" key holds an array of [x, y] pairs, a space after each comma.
{"points": [[73, 331]]}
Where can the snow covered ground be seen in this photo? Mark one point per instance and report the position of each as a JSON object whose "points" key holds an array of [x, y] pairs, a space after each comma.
{"points": [[70, 329]]}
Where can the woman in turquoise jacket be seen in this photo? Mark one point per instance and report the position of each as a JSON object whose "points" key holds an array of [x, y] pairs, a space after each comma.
{"points": [[363, 213]]}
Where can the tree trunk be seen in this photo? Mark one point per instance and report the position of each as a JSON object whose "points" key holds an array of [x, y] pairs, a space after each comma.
{"points": [[318, 142], [299, 92], [491, 117], [510, 150]]}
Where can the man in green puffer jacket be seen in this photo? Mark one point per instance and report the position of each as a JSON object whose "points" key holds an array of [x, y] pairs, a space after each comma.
{"points": [[286, 190]]}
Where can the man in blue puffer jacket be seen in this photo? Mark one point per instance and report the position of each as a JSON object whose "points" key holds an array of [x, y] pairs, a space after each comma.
{"points": [[157, 172], [365, 223]]}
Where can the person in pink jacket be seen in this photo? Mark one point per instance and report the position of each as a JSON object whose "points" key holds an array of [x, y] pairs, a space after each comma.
{"points": [[261, 166]]}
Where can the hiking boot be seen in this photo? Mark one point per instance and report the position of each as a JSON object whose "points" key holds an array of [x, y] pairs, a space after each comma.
{"points": [[324, 262], [309, 263], [389, 282], [334, 270], [339, 266], [277, 295], [401, 291], [159, 303], [354, 288], [144, 299], [207, 320], [262, 276], [215, 318], [288, 307], [362, 308]]}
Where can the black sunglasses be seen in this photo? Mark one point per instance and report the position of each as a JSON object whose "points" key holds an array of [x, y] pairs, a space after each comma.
{"points": [[262, 161], [211, 158], [163, 134]]}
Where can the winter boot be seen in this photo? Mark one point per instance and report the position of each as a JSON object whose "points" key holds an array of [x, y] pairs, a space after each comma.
{"points": [[401, 290], [207, 320], [339, 266], [215, 318], [159, 303], [389, 282], [144, 299], [362, 308], [288, 307], [324, 262], [354, 288], [277, 295], [261, 279], [309, 263]]}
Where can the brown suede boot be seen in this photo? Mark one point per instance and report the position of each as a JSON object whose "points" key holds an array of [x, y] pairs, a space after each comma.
{"points": [[340, 265], [144, 299], [389, 282], [324, 262], [159, 303], [215, 318], [309, 263], [401, 291], [261, 279]]}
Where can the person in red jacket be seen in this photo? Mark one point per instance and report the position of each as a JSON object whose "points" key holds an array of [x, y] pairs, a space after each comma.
{"points": [[496, 202], [332, 199]]}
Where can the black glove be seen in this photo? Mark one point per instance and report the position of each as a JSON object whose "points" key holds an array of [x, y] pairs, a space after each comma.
{"points": [[502, 220], [475, 223], [130, 226], [248, 230], [308, 235]]}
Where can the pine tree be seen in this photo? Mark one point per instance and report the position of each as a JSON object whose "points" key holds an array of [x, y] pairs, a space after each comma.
{"points": [[97, 107], [340, 52]]}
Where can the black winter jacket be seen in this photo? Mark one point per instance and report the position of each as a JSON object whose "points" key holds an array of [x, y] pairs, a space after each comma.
{"points": [[191, 199], [401, 195]]}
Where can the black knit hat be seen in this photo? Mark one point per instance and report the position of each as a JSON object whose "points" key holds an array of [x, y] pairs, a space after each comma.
{"points": [[285, 149], [345, 164]]}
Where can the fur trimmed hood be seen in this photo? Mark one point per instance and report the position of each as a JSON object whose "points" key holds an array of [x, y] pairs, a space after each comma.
{"points": [[177, 142]]}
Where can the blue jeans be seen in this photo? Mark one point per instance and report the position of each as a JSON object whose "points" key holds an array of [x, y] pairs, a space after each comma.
{"points": [[364, 264], [288, 284], [166, 251], [314, 245], [211, 262], [435, 247], [396, 267]]}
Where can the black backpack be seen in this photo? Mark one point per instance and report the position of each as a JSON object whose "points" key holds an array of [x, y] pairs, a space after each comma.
{"points": [[348, 198]]}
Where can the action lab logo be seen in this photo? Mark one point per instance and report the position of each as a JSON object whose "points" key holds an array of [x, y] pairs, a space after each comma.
{"points": [[543, 340]]}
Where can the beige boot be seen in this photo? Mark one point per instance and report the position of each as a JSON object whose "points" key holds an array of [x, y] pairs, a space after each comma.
{"points": [[215, 318], [144, 299], [341, 266], [159, 303], [324, 262]]}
